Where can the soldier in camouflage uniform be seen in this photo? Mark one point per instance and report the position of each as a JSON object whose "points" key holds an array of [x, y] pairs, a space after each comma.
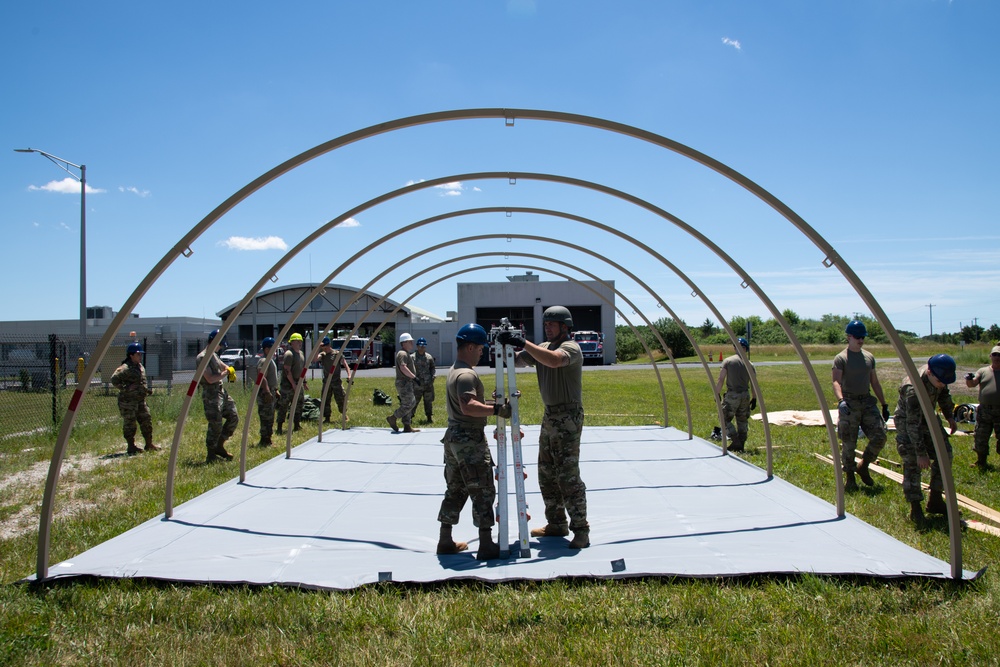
{"points": [[737, 403], [406, 373], [913, 435], [423, 386], [291, 373], [220, 408], [988, 412], [559, 366], [267, 395], [853, 374], [130, 381], [328, 361], [468, 467]]}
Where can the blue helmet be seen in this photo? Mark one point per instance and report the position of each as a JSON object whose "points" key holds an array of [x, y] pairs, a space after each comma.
{"points": [[943, 367], [213, 334], [422, 341], [133, 348], [856, 328], [472, 333], [745, 343], [326, 340], [267, 343]]}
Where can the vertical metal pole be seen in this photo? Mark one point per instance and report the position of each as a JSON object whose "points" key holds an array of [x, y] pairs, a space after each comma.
{"points": [[83, 256], [52, 376], [503, 537]]}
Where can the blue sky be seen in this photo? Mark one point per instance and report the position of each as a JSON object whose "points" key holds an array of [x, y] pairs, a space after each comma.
{"points": [[874, 120]]}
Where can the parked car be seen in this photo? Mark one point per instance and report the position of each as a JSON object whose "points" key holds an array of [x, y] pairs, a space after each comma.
{"points": [[235, 357]]}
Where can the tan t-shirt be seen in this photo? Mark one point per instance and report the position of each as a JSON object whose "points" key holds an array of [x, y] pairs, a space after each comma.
{"points": [[857, 370], [988, 394], [562, 385], [462, 380]]}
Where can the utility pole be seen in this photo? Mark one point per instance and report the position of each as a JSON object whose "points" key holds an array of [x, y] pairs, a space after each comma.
{"points": [[930, 307]]}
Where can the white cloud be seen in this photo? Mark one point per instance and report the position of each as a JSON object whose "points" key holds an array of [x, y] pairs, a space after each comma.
{"points": [[63, 225], [735, 43], [475, 188], [350, 222], [258, 243], [67, 185], [134, 190], [453, 189]]}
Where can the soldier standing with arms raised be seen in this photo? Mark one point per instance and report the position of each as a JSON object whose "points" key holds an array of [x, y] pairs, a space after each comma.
{"points": [[559, 366], [853, 374]]}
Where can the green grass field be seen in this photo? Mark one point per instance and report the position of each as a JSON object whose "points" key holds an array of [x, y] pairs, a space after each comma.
{"points": [[803, 620]]}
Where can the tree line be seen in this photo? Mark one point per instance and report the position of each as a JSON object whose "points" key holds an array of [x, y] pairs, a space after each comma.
{"points": [[829, 329]]}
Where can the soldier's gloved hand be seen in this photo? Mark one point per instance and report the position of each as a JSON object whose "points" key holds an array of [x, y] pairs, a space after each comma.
{"points": [[502, 409], [753, 403], [970, 376], [510, 338], [885, 412], [842, 408]]}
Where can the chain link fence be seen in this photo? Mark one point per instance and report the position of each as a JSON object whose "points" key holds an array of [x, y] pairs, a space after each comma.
{"points": [[38, 375]]}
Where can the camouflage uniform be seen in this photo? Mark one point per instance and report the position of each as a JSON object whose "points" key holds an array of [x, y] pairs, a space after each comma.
{"points": [[468, 466], [220, 408], [266, 398], [988, 412], [862, 408], [913, 436], [563, 491], [332, 367], [130, 381], [423, 386], [736, 402], [294, 362], [404, 388]]}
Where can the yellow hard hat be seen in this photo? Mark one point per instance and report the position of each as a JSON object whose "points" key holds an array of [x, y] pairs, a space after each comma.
{"points": [[294, 337]]}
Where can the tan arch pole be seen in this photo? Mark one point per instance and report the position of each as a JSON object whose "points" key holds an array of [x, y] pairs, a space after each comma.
{"points": [[509, 116]]}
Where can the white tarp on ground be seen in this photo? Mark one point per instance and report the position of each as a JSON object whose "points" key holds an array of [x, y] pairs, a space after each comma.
{"points": [[362, 507]]}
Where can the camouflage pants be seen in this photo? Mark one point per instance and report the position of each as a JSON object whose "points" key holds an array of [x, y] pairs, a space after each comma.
{"points": [[559, 468], [335, 392], [468, 473], [424, 392], [987, 423], [135, 412], [265, 410], [404, 390], [220, 412], [911, 470], [863, 413], [736, 404], [284, 406]]}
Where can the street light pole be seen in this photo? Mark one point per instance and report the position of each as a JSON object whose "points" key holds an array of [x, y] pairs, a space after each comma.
{"points": [[82, 178]]}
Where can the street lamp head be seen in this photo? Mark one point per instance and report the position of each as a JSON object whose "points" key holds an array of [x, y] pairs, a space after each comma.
{"points": [[24, 150]]}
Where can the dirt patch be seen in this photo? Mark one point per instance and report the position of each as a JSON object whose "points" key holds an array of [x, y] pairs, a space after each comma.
{"points": [[25, 519]]}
